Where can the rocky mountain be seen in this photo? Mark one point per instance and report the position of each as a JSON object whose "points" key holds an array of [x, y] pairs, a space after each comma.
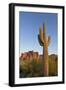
{"points": [[31, 55]]}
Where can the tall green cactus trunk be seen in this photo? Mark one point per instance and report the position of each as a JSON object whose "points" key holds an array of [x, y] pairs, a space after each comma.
{"points": [[44, 42], [45, 61]]}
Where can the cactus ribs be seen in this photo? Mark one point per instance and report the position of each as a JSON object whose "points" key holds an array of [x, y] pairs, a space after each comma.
{"points": [[44, 41]]}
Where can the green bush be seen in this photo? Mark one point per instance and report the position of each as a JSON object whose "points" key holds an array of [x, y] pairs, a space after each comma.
{"points": [[34, 68], [53, 66], [31, 68]]}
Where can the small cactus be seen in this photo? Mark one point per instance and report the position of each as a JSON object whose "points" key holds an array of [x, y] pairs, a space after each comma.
{"points": [[44, 41]]}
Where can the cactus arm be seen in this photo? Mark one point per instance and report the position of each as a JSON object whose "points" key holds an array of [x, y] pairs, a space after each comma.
{"points": [[49, 40], [40, 42], [41, 35], [44, 31]]}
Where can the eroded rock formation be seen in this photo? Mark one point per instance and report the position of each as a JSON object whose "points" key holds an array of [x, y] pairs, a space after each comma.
{"points": [[29, 56]]}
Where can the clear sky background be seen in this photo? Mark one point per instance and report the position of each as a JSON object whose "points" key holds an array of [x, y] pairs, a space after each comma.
{"points": [[29, 24]]}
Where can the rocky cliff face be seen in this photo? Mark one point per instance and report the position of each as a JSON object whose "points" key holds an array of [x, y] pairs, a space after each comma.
{"points": [[31, 55]]}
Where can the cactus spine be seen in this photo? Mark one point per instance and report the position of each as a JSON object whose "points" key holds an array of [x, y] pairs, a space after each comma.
{"points": [[44, 41]]}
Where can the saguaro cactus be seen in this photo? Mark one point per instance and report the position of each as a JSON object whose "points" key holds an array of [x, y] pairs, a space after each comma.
{"points": [[44, 42]]}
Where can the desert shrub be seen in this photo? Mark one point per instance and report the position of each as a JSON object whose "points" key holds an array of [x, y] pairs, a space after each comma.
{"points": [[53, 66], [34, 68], [31, 68]]}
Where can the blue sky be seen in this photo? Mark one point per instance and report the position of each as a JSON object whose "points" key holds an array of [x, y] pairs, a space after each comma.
{"points": [[29, 24]]}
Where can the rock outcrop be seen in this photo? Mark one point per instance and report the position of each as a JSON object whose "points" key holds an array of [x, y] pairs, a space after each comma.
{"points": [[29, 56]]}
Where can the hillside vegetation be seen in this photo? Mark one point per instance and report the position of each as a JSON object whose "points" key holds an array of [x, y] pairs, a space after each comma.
{"points": [[34, 67]]}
